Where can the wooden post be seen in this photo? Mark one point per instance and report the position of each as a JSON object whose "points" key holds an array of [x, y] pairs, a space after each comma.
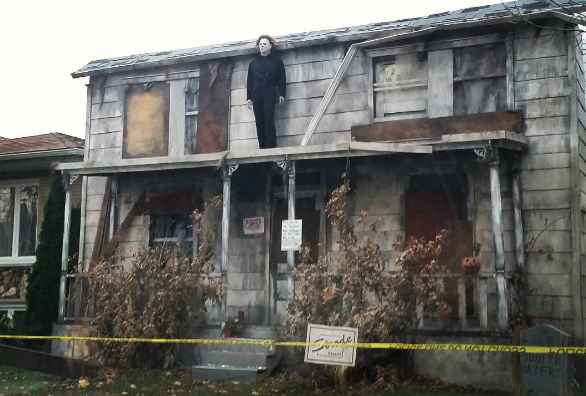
{"points": [[516, 193], [291, 216], [497, 229], [112, 211], [226, 178], [67, 180]]}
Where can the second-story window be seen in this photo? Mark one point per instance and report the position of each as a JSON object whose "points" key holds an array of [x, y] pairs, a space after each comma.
{"points": [[146, 120], [400, 86], [480, 79], [191, 111]]}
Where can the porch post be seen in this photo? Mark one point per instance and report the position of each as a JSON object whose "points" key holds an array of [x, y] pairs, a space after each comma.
{"points": [[516, 193], [112, 211], [226, 178], [291, 216], [497, 228], [67, 180]]}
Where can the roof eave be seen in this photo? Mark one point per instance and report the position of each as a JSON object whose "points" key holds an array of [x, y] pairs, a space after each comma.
{"points": [[42, 154]]}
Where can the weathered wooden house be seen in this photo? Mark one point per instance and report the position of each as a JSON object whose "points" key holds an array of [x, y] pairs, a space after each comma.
{"points": [[460, 120]]}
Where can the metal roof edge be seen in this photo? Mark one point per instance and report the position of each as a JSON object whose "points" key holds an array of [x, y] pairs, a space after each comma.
{"points": [[43, 153]]}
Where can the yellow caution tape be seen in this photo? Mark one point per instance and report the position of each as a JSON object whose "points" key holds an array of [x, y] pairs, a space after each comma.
{"points": [[361, 345]]}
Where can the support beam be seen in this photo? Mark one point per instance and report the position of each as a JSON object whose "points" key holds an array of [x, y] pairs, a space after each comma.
{"points": [[226, 179], [516, 192], [67, 181], [497, 229], [112, 211], [291, 216]]}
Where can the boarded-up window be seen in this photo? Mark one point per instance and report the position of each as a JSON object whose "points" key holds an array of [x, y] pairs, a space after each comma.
{"points": [[191, 111], [480, 79], [400, 86], [146, 121]]}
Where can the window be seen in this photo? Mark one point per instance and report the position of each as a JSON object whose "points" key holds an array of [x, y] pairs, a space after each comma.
{"points": [[191, 111], [172, 230], [480, 84], [18, 222], [400, 86], [146, 121]]}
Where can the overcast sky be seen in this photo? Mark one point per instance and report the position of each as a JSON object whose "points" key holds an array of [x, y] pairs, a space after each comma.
{"points": [[43, 42]]}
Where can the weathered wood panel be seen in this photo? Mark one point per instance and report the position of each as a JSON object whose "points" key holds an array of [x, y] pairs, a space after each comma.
{"points": [[544, 88], [547, 126], [545, 161], [545, 179], [551, 199], [550, 107], [548, 45], [106, 140], [437, 127], [214, 107], [557, 285], [548, 144], [105, 154], [440, 84], [106, 125], [107, 95], [533, 69]]}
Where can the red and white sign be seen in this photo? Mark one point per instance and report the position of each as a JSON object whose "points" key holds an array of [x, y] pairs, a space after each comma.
{"points": [[254, 225]]}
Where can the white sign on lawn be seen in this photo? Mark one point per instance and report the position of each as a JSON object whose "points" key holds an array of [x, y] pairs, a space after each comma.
{"points": [[291, 235], [331, 354]]}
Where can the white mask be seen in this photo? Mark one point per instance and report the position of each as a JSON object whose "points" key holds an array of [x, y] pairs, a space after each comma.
{"points": [[264, 45]]}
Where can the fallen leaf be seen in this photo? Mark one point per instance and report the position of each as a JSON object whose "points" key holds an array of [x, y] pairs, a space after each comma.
{"points": [[255, 393], [177, 383], [83, 383], [132, 386], [124, 393]]}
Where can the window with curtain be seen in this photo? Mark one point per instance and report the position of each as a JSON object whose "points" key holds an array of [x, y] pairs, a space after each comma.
{"points": [[18, 221]]}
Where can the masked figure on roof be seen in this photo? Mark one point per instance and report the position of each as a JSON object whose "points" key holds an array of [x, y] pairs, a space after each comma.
{"points": [[265, 86]]}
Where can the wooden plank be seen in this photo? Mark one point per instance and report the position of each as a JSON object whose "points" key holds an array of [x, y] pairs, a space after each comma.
{"points": [[533, 69], [405, 107], [548, 144], [544, 88], [441, 83], [437, 127], [107, 110], [177, 117], [106, 125], [553, 44], [391, 147], [106, 140], [482, 304], [462, 303], [101, 230], [214, 107], [510, 79], [138, 208], [557, 179], [65, 245], [549, 107], [545, 161], [547, 126], [518, 222], [109, 94]]}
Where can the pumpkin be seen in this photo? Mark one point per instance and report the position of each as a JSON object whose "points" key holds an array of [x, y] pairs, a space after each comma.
{"points": [[470, 265]]}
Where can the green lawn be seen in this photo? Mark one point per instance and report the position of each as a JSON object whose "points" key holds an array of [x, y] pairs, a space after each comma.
{"points": [[20, 382]]}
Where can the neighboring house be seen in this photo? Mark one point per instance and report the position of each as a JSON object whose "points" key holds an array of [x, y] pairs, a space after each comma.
{"points": [[459, 120], [26, 174]]}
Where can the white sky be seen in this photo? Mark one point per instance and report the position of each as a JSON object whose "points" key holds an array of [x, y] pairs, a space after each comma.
{"points": [[42, 42]]}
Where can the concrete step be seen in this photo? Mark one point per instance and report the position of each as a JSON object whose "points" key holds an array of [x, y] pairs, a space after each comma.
{"points": [[233, 358], [224, 373], [239, 347]]}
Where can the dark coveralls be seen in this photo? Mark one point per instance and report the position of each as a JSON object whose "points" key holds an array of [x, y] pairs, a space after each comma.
{"points": [[266, 80]]}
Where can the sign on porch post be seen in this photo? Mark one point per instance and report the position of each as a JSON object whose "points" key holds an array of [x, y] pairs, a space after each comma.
{"points": [[331, 355], [291, 235], [253, 225]]}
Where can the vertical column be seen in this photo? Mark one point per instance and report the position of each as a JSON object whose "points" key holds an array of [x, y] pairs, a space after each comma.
{"points": [[112, 211], [291, 216], [497, 229], [226, 178], [67, 180], [516, 192]]}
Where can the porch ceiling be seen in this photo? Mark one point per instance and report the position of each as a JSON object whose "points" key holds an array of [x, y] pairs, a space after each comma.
{"points": [[507, 140]]}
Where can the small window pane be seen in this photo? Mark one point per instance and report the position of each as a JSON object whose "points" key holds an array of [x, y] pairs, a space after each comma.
{"points": [[190, 134], [191, 94], [6, 220], [27, 235], [480, 96]]}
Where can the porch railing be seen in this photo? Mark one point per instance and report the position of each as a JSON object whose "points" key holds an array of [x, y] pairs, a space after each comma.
{"points": [[79, 300], [470, 299]]}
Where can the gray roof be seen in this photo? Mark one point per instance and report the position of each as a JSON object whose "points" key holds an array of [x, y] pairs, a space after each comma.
{"points": [[354, 33]]}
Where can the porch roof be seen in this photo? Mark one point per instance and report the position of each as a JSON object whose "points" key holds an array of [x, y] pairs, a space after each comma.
{"points": [[502, 139]]}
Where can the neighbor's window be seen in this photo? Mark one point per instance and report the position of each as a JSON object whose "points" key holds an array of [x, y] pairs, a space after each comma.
{"points": [[146, 120], [18, 221], [480, 79], [400, 86]]}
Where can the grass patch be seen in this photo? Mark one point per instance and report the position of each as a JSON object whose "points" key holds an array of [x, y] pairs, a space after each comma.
{"points": [[140, 383]]}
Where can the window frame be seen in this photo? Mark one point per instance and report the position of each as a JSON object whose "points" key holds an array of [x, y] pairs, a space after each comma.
{"points": [[178, 82], [372, 55], [15, 260]]}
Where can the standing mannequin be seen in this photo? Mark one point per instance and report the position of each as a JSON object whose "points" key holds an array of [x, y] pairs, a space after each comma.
{"points": [[266, 79]]}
